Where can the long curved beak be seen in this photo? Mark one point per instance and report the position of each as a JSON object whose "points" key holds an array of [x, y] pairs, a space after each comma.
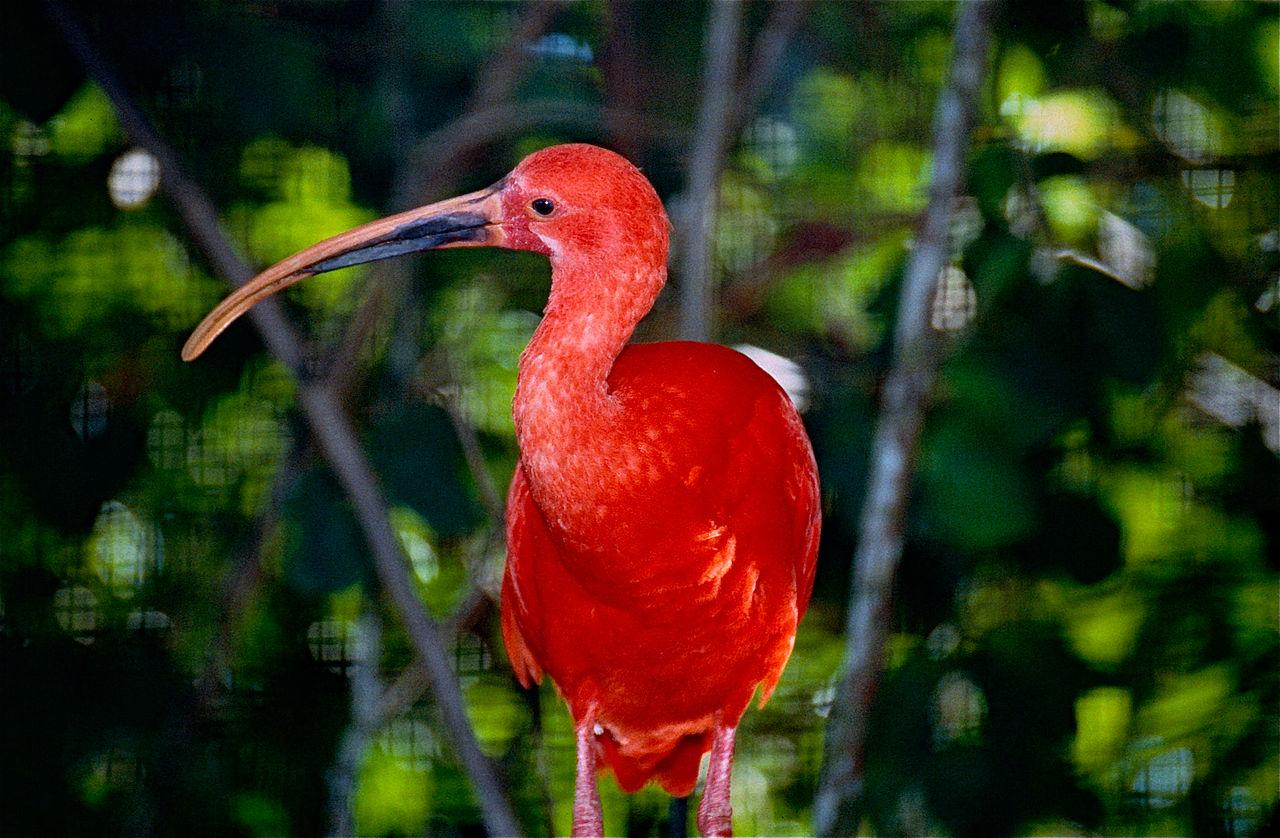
{"points": [[471, 220]]}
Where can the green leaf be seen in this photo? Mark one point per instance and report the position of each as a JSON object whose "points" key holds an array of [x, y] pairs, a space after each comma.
{"points": [[415, 450], [325, 551], [975, 493]]}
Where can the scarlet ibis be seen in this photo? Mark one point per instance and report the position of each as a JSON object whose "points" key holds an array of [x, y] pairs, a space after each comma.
{"points": [[663, 520]]}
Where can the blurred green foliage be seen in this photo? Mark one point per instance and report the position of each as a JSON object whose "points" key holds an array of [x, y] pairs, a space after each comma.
{"points": [[1085, 629]]}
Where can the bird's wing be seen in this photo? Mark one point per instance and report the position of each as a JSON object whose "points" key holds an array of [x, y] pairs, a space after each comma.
{"points": [[804, 482], [742, 424], [770, 452], [526, 535], [773, 442], [803, 496]]}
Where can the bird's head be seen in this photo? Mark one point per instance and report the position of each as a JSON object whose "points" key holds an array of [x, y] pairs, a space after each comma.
{"points": [[580, 205], [582, 200]]}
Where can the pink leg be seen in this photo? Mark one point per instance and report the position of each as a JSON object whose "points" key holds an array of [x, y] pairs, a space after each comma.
{"points": [[715, 815], [588, 819]]}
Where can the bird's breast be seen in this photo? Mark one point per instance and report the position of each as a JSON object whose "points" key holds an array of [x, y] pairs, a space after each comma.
{"points": [[639, 479], [613, 465], [643, 540]]}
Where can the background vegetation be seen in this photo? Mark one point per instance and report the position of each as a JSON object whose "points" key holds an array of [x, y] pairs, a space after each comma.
{"points": [[1084, 634]]}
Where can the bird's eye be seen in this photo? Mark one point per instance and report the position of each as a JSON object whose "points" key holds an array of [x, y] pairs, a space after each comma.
{"points": [[543, 206]]}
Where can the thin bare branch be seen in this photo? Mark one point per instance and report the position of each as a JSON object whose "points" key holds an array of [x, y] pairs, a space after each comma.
{"points": [[438, 382], [485, 125], [244, 573], [197, 211], [475, 462], [366, 688], [710, 140], [625, 82], [483, 596], [331, 427], [497, 81], [385, 290], [412, 682], [429, 170], [766, 56], [916, 357]]}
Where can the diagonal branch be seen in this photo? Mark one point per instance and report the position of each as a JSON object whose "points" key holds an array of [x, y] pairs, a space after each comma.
{"points": [[332, 429], [916, 357], [430, 169], [412, 681], [723, 113], [365, 687], [770, 46], [499, 78], [623, 79]]}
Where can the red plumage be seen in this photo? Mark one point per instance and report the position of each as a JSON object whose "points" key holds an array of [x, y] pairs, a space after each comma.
{"points": [[686, 594], [663, 521]]}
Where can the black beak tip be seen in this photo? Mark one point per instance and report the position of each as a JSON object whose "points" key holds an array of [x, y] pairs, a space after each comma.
{"points": [[423, 234], [454, 226]]}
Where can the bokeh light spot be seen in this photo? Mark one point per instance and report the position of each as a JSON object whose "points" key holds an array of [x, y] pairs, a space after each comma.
{"points": [[76, 609], [89, 410], [125, 549], [954, 302], [134, 178], [1186, 126]]}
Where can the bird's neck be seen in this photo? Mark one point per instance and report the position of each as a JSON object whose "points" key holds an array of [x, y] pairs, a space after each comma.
{"points": [[566, 418], [563, 373]]}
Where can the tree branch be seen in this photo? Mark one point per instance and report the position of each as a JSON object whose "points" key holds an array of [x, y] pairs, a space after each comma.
{"points": [[425, 174], [412, 680], [490, 497], [244, 572], [916, 357], [366, 687], [429, 170], [497, 81], [332, 429], [624, 81], [770, 45], [508, 119], [710, 140]]}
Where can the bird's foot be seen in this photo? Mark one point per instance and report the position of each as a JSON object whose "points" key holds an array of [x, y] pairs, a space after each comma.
{"points": [[588, 821], [715, 823], [715, 814], [588, 818]]}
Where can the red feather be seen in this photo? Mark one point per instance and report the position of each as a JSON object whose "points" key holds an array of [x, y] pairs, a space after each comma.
{"points": [[685, 598]]}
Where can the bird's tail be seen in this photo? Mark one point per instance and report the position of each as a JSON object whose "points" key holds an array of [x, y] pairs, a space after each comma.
{"points": [[676, 769]]}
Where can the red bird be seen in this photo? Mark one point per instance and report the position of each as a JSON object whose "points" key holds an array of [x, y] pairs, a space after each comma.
{"points": [[663, 520]]}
